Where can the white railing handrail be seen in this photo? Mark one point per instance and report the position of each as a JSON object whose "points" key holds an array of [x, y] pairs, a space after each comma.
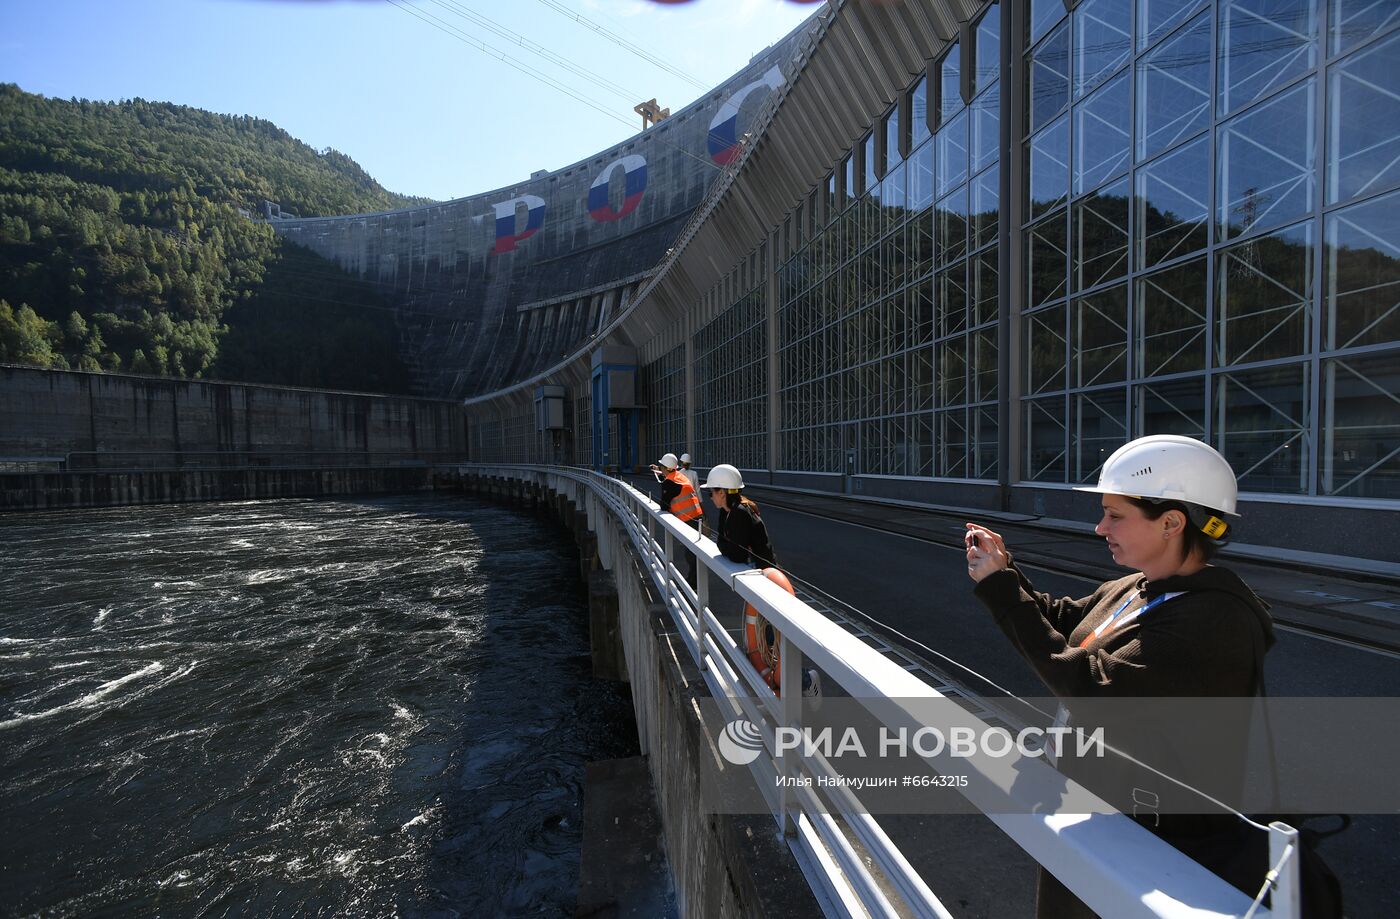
{"points": [[1116, 866]]}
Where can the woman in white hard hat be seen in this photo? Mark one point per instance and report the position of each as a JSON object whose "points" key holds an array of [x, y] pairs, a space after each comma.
{"points": [[741, 534], [1177, 626]]}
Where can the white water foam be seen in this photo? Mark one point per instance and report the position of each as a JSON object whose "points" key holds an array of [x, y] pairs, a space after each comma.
{"points": [[102, 615], [102, 692]]}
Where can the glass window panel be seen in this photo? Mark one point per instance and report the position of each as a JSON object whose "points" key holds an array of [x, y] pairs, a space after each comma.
{"points": [[1263, 429], [1171, 320], [1361, 431], [1263, 45], [1045, 350], [1171, 407], [918, 113], [1100, 427], [984, 442], [1043, 15], [1047, 271], [949, 89], [1046, 432], [1354, 20], [988, 47], [1103, 41], [892, 194], [950, 300], [950, 444], [1047, 78], [872, 448], [1101, 236], [1158, 17], [920, 171], [1265, 174], [952, 372], [868, 160], [921, 245], [923, 436], [892, 138], [986, 190], [1363, 274], [921, 377], [1100, 344], [952, 153], [984, 365], [1173, 203], [1264, 306], [1049, 167], [1102, 144], [1364, 122], [985, 278], [951, 216], [833, 205], [1174, 89], [986, 128]]}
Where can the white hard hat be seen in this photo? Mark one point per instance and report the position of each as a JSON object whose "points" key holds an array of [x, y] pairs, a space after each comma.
{"points": [[669, 461], [1171, 468], [724, 476], [685, 457]]}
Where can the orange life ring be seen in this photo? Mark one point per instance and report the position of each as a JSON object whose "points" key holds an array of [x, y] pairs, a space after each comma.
{"points": [[761, 641]]}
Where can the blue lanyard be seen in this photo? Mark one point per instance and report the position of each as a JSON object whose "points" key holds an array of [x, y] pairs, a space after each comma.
{"points": [[1113, 621]]}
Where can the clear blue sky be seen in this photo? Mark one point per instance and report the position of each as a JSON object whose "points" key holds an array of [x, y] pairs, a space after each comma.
{"points": [[423, 111]]}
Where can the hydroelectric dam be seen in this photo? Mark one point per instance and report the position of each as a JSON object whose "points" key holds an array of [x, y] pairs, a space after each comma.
{"points": [[920, 263]]}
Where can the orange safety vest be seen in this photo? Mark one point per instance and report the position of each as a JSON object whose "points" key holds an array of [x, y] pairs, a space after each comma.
{"points": [[686, 505]]}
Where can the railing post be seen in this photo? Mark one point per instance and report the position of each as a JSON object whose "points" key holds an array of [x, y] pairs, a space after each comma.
{"points": [[1284, 902], [790, 679]]}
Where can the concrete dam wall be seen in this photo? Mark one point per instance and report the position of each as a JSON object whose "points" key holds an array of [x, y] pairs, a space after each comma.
{"points": [[498, 286]]}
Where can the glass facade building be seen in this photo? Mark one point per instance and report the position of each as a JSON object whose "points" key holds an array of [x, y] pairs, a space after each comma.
{"points": [[1078, 226]]}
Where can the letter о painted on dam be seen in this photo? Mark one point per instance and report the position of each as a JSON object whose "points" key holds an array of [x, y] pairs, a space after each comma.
{"points": [[724, 129], [634, 172], [506, 236]]}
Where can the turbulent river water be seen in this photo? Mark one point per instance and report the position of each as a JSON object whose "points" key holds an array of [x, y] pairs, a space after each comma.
{"points": [[362, 707]]}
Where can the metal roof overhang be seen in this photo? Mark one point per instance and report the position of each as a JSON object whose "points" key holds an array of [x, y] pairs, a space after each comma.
{"points": [[854, 68]]}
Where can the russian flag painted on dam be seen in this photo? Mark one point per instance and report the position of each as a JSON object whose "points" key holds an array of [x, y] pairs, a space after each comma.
{"points": [[634, 171], [724, 128], [506, 237]]}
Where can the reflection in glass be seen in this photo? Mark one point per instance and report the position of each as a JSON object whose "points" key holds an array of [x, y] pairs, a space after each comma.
{"points": [[1103, 41], [949, 88], [1045, 439], [1265, 295], [1264, 429], [1355, 20], [986, 190], [921, 245], [1363, 274], [988, 47], [985, 278], [1100, 427], [1043, 15], [984, 365], [872, 181], [984, 437], [1263, 45], [951, 371], [920, 173], [1364, 122], [950, 300], [1101, 236], [986, 128], [1047, 272], [918, 113], [1100, 345], [951, 216], [1174, 89], [1047, 78], [892, 154], [1049, 167], [1171, 320], [1102, 143], [1266, 163], [952, 153], [1158, 17], [1361, 430], [1045, 350], [1172, 407], [921, 375], [1173, 195]]}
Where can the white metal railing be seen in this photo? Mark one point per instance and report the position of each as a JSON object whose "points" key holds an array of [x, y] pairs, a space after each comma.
{"points": [[1110, 862]]}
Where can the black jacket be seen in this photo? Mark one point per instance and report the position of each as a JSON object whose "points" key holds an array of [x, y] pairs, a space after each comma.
{"points": [[743, 537]]}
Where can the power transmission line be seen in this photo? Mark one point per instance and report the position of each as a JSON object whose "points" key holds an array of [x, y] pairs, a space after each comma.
{"points": [[624, 43]]}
